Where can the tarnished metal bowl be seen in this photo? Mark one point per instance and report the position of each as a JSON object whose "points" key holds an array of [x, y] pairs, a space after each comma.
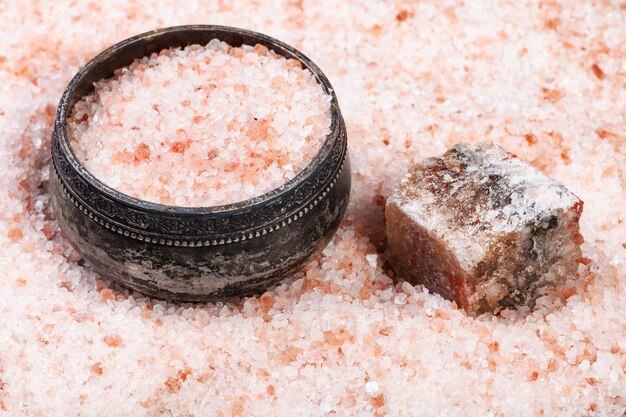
{"points": [[197, 253]]}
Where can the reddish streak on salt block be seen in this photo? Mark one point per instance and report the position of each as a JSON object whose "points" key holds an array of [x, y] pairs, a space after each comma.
{"points": [[459, 287], [578, 206]]}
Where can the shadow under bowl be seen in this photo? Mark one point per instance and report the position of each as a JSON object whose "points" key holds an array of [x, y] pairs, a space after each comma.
{"points": [[197, 253]]}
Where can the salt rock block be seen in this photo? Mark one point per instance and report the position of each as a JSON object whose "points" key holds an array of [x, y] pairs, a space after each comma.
{"points": [[480, 227]]}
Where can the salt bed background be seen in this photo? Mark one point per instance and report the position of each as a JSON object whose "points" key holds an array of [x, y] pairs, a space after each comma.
{"points": [[547, 80]]}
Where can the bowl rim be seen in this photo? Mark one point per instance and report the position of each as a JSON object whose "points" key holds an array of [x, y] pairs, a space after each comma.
{"points": [[323, 154]]}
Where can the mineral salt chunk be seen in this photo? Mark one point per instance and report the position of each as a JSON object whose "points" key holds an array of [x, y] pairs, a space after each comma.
{"points": [[201, 126], [480, 227]]}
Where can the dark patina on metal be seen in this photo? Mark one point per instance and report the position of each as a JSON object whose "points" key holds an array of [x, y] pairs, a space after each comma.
{"points": [[190, 253]]}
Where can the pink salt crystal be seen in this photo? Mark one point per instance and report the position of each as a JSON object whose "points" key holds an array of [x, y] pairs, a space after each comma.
{"points": [[480, 227], [113, 341], [142, 152], [226, 124]]}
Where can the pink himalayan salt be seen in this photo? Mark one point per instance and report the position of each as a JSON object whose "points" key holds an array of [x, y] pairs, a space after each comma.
{"points": [[566, 359], [201, 126]]}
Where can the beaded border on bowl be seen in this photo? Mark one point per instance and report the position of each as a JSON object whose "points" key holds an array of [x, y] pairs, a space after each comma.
{"points": [[204, 242]]}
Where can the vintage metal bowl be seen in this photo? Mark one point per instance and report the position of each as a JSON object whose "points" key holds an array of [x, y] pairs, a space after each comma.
{"points": [[190, 253]]}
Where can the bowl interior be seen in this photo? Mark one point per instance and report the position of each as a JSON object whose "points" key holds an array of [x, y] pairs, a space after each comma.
{"points": [[125, 52]]}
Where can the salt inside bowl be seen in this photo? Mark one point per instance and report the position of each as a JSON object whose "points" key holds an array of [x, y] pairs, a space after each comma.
{"points": [[201, 125]]}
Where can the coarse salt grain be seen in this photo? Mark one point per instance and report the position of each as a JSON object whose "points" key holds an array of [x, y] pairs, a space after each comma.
{"points": [[372, 387], [201, 126]]}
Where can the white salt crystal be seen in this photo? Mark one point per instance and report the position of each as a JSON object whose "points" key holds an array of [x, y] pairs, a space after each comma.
{"points": [[372, 259], [371, 387], [408, 288], [39, 205], [584, 365], [400, 299]]}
